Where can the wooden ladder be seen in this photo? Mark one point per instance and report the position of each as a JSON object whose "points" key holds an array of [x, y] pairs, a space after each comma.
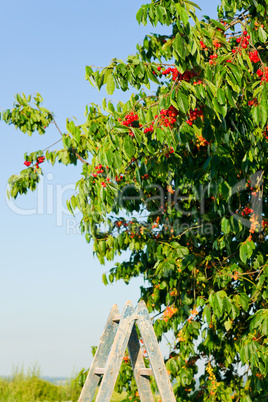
{"points": [[120, 333]]}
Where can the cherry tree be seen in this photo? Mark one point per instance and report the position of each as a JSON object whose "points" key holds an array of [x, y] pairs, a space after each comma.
{"points": [[178, 176]]}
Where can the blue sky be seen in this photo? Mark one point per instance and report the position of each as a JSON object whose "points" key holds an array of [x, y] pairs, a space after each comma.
{"points": [[53, 303]]}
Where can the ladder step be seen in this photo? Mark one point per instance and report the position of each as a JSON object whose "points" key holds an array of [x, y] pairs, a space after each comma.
{"points": [[117, 318], [145, 371], [99, 371]]}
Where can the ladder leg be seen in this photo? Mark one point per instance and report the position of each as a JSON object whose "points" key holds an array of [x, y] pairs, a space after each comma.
{"points": [[154, 354], [117, 353], [100, 357]]}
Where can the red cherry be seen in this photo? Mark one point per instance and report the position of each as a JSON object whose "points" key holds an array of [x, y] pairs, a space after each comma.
{"points": [[40, 159]]}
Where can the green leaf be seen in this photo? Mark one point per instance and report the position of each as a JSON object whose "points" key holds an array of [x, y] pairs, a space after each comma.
{"points": [[192, 4], [207, 314], [225, 225], [244, 300], [264, 326], [110, 85], [217, 107], [172, 365], [182, 13], [189, 259], [179, 45], [225, 190], [221, 96], [246, 250], [161, 12], [182, 102], [262, 35], [139, 14], [263, 108], [228, 324], [129, 147], [229, 96], [102, 247], [236, 72], [256, 114], [256, 319], [217, 24], [104, 279], [218, 304]]}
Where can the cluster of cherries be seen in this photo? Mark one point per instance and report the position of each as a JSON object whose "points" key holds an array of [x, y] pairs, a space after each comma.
{"points": [[149, 129], [193, 115], [39, 160], [201, 141], [212, 378], [203, 46], [246, 211], [263, 75], [99, 170], [244, 40], [186, 76], [216, 44], [212, 58], [120, 223], [126, 359], [103, 182], [265, 133], [169, 312], [156, 224], [180, 337], [264, 224], [129, 121], [167, 118], [198, 83], [119, 178], [254, 57], [253, 102], [254, 224], [170, 152]]}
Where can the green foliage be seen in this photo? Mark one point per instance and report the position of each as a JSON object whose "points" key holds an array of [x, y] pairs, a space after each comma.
{"points": [[29, 387], [27, 117], [178, 176]]}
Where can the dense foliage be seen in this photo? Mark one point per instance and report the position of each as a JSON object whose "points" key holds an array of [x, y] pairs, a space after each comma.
{"points": [[178, 175]]}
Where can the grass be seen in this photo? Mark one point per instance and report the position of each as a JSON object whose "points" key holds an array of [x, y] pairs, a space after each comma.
{"points": [[29, 387]]}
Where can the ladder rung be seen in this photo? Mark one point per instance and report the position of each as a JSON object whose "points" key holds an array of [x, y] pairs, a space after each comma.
{"points": [[99, 371], [145, 371], [117, 318]]}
